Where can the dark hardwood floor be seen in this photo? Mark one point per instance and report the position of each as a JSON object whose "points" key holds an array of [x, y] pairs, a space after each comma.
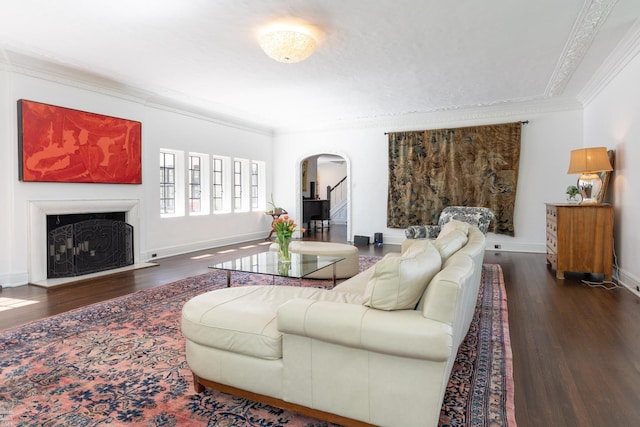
{"points": [[576, 349]]}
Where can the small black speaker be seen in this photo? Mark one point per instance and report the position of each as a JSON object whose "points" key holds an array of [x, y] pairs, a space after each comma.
{"points": [[377, 239], [361, 240]]}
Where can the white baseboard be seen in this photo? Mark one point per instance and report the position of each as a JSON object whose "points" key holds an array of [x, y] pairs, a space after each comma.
{"points": [[539, 248], [498, 246], [154, 254], [52, 283], [629, 281], [21, 279], [14, 280]]}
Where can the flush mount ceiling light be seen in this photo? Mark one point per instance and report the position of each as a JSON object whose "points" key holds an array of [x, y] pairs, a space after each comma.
{"points": [[288, 42]]}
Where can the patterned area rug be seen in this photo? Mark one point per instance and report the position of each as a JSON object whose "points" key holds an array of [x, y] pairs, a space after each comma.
{"points": [[121, 362]]}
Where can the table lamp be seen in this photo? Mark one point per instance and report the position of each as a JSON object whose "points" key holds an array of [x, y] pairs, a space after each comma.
{"points": [[588, 162]]}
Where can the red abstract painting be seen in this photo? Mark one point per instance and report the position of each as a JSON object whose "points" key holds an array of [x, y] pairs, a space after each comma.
{"points": [[58, 144]]}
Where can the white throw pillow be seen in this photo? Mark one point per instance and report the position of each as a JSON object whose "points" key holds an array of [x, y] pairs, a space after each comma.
{"points": [[398, 281], [449, 243], [454, 224], [418, 243]]}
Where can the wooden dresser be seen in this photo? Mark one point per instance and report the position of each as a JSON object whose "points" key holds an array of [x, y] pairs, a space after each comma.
{"points": [[580, 238]]}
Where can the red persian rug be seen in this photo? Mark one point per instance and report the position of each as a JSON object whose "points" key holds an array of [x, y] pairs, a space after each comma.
{"points": [[121, 363]]}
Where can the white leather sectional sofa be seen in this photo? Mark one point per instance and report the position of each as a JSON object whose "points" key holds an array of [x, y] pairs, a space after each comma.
{"points": [[377, 349]]}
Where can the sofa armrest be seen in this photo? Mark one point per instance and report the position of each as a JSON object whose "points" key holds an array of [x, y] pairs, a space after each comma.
{"points": [[405, 333], [422, 231]]}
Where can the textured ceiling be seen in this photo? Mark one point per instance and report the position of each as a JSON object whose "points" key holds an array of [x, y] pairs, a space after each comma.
{"points": [[376, 59]]}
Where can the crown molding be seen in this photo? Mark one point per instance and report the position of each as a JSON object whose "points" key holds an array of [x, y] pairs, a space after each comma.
{"points": [[54, 72], [622, 54], [591, 17], [518, 109], [508, 110]]}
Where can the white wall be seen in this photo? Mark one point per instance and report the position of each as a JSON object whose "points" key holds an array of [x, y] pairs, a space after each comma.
{"points": [[329, 174], [323, 172], [612, 120], [546, 143], [160, 129], [173, 131], [7, 175]]}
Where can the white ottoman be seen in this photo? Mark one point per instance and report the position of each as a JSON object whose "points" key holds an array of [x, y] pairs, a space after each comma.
{"points": [[346, 268]]}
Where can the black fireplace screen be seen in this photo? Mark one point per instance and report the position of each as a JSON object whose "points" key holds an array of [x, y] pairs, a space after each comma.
{"points": [[89, 246]]}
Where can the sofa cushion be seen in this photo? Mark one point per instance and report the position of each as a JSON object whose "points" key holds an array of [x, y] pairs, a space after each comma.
{"points": [[356, 284], [449, 243], [454, 224], [398, 280], [448, 295], [406, 243], [243, 319]]}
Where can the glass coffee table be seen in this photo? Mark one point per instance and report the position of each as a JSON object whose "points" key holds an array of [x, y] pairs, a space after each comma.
{"points": [[268, 263]]}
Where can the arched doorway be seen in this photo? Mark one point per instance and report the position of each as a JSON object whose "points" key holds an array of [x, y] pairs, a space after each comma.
{"points": [[324, 197]]}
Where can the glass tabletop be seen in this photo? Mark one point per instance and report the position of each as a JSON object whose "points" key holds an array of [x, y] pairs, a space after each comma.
{"points": [[268, 263]]}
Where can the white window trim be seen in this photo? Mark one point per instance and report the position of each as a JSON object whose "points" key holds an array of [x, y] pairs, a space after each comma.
{"points": [[227, 178], [245, 185], [180, 183], [205, 185], [262, 186]]}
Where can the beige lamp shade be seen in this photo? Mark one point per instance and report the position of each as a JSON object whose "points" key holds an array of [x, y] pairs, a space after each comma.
{"points": [[589, 160]]}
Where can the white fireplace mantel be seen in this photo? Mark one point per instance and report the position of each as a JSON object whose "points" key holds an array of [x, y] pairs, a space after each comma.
{"points": [[37, 229]]}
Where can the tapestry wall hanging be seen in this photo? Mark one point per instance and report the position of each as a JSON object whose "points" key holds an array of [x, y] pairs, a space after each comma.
{"points": [[472, 166], [57, 144]]}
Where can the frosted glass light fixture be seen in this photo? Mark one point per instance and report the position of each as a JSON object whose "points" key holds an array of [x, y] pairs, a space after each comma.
{"points": [[588, 162], [288, 42]]}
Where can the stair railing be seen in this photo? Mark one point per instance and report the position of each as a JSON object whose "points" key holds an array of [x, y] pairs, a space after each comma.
{"points": [[338, 192]]}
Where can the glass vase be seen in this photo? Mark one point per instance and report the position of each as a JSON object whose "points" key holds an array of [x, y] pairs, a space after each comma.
{"points": [[283, 248], [284, 267]]}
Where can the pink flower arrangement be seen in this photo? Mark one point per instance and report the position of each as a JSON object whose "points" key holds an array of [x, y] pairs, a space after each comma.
{"points": [[285, 227]]}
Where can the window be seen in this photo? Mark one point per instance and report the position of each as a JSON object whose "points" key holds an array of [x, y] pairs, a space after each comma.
{"points": [[195, 184], [258, 199], [167, 183], [237, 185], [254, 185], [221, 184], [241, 185], [218, 203], [172, 191], [198, 185]]}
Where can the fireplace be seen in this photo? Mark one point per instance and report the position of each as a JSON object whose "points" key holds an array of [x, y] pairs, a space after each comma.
{"points": [[39, 251], [80, 244]]}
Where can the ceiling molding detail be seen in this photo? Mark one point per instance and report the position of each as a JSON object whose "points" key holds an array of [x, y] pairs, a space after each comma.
{"points": [[498, 110], [60, 74], [624, 52], [472, 116], [476, 63], [591, 18]]}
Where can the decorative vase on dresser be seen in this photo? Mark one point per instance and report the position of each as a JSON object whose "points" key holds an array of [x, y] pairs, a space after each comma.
{"points": [[580, 238]]}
